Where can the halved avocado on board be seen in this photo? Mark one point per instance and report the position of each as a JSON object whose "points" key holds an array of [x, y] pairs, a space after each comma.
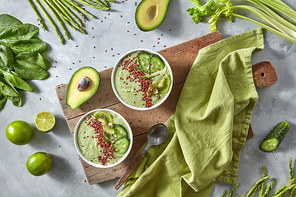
{"points": [[151, 13], [76, 97]]}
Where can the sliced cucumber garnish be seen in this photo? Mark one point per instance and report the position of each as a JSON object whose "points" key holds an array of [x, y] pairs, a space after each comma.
{"points": [[155, 63], [144, 58], [269, 145], [119, 131], [121, 145]]}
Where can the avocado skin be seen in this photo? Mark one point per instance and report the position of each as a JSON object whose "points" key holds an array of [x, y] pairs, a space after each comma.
{"points": [[140, 15], [75, 98]]}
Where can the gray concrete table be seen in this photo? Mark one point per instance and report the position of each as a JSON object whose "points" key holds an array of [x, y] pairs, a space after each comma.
{"points": [[113, 33]]}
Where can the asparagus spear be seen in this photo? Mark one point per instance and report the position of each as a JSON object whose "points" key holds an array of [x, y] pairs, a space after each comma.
{"points": [[292, 194], [68, 16], [73, 5], [256, 185], [223, 193], [291, 169], [106, 3], [62, 16], [57, 17], [255, 190], [282, 190], [98, 3], [37, 14], [94, 6], [233, 188], [51, 21], [262, 185], [70, 12], [267, 191]]}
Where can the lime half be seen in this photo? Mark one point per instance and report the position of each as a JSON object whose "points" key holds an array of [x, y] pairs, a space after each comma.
{"points": [[45, 121]]}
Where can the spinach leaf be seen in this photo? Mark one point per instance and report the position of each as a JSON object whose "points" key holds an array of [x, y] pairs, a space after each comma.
{"points": [[5, 67], [35, 58], [8, 21], [32, 45], [2, 101], [10, 93], [15, 81], [6, 54], [17, 33], [29, 71]]}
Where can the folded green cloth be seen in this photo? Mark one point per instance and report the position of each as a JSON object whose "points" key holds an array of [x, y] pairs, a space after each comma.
{"points": [[209, 127]]}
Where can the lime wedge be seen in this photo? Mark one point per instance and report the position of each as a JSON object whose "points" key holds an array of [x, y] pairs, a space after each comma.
{"points": [[45, 121]]}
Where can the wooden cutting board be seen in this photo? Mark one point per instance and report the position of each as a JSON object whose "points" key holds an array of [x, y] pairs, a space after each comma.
{"points": [[180, 58]]}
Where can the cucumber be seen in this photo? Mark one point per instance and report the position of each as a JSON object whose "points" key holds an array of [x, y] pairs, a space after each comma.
{"points": [[144, 59], [275, 137], [120, 131], [155, 63], [121, 145]]}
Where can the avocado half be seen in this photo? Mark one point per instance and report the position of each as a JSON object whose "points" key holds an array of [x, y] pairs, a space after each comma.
{"points": [[76, 97], [151, 13]]}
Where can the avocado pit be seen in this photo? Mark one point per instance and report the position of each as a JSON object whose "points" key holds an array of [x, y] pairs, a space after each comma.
{"points": [[83, 83], [151, 12]]}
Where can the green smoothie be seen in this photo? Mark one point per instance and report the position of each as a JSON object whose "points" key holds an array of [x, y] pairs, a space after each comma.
{"points": [[103, 138], [141, 85]]}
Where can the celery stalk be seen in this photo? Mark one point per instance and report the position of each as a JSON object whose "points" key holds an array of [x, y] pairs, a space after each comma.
{"points": [[285, 36], [272, 14], [281, 7]]}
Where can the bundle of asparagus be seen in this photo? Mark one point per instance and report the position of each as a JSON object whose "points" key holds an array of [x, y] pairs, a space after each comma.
{"points": [[290, 186], [63, 12]]}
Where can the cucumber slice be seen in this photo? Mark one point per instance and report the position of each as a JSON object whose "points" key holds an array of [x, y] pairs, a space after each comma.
{"points": [[120, 131], [144, 58], [121, 145], [275, 137], [155, 63], [269, 145]]}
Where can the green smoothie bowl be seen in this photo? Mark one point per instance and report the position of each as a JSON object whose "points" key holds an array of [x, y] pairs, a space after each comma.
{"points": [[142, 79], [103, 138]]}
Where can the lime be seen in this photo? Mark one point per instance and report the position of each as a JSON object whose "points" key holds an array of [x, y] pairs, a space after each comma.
{"points": [[45, 121], [19, 132], [39, 163]]}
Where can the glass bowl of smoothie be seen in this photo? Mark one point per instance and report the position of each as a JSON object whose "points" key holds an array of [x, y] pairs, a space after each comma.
{"points": [[142, 79], [103, 138]]}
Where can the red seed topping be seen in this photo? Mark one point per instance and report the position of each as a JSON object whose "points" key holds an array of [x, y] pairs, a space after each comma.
{"points": [[107, 149]]}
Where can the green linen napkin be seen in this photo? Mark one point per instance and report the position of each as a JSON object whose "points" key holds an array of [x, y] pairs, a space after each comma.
{"points": [[209, 127]]}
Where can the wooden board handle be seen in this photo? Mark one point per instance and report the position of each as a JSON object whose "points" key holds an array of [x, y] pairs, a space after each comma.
{"points": [[264, 74], [129, 170]]}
